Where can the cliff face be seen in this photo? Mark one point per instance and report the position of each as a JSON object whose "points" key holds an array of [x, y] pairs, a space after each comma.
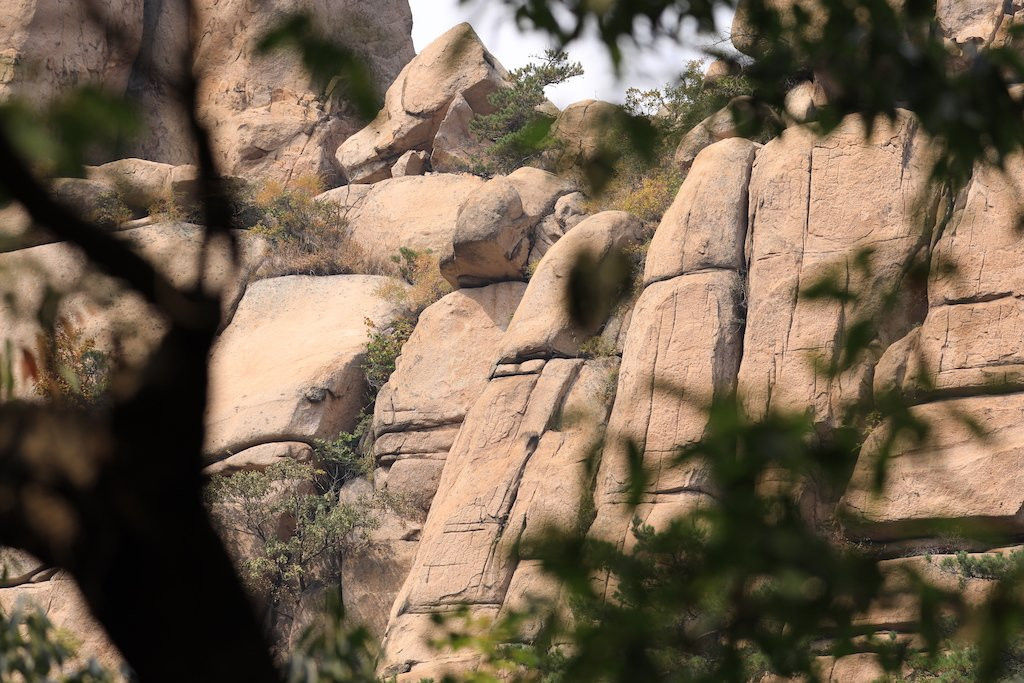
{"points": [[497, 399], [266, 118]]}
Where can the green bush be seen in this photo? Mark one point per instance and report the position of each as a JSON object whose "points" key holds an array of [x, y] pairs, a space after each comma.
{"points": [[517, 130], [677, 107], [383, 349], [285, 524], [308, 237]]}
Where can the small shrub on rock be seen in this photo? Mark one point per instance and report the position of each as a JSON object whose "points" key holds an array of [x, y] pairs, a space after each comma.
{"points": [[518, 129], [383, 349], [307, 237]]}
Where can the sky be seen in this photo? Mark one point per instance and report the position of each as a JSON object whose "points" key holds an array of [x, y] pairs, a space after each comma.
{"points": [[649, 68]]}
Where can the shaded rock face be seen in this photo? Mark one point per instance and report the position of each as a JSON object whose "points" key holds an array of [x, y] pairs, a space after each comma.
{"points": [[98, 307], [266, 117], [59, 598], [49, 46], [456, 65]]}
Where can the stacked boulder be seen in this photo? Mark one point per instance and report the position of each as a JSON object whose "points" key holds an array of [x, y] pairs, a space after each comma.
{"points": [[429, 106]]}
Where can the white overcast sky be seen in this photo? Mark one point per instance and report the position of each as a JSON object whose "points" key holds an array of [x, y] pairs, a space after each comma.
{"points": [[493, 22]]}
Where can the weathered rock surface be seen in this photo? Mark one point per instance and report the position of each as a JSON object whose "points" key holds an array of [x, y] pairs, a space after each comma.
{"points": [[683, 345], [542, 326], [706, 225], [951, 475], [682, 351], [493, 233], [814, 204], [410, 163], [50, 46], [418, 212], [288, 367], [266, 118], [456, 64], [516, 466], [970, 340]]}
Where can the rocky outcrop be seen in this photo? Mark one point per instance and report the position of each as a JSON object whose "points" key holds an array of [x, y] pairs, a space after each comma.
{"points": [[288, 367], [455, 65], [417, 212], [969, 345], [494, 231], [443, 370], [814, 205], [266, 118], [951, 474], [683, 347], [542, 326]]}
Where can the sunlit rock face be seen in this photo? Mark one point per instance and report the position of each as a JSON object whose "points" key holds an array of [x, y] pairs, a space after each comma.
{"points": [[505, 415], [455, 69]]}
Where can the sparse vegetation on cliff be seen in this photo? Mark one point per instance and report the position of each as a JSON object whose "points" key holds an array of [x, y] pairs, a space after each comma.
{"points": [[518, 130]]}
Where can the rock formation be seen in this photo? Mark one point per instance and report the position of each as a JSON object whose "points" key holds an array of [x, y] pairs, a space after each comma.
{"points": [[504, 414], [456, 70]]}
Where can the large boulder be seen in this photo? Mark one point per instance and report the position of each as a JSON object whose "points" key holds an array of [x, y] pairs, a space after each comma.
{"points": [[50, 46], [417, 212], [493, 234], [265, 117], [456, 64], [584, 132], [140, 184], [543, 325], [706, 225], [816, 206], [289, 366]]}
